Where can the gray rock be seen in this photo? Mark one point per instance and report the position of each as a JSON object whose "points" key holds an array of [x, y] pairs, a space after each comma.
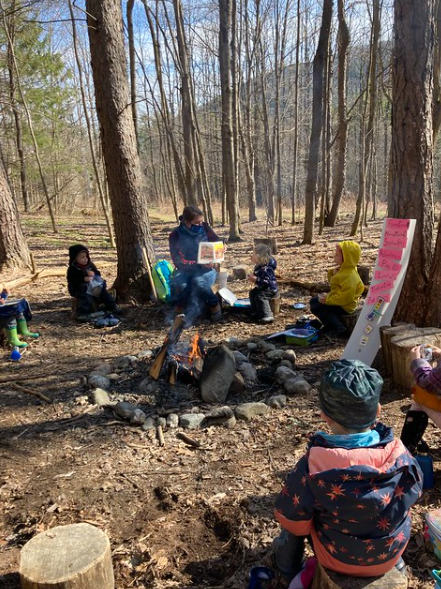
{"points": [[238, 384], [283, 373], [149, 387], [235, 341], [289, 355], [173, 420], [265, 347], [138, 417], [277, 401], [124, 409], [252, 346], [247, 411], [162, 422], [286, 363], [191, 420], [145, 354], [114, 376], [100, 397], [124, 362], [217, 374], [248, 372], [220, 416], [98, 381], [149, 424], [239, 357], [297, 386], [102, 369], [275, 355]]}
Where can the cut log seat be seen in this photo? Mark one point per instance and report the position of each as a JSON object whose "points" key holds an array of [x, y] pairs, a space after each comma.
{"points": [[326, 579], [351, 319]]}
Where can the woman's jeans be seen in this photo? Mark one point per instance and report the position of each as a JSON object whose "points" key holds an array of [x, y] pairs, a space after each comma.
{"points": [[193, 291]]}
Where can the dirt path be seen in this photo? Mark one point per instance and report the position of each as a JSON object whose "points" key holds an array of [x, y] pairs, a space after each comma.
{"points": [[176, 516]]}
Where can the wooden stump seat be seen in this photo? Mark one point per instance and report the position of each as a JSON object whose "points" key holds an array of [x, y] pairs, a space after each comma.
{"points": [[275, 305], [326, 579], [75, 556], [351, 319], [74, 306]]}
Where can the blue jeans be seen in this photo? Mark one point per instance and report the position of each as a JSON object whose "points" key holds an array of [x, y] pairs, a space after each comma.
{"points": [[329, 315], [193, 290]]}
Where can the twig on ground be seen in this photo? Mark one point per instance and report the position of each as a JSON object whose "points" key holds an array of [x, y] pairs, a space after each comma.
{"points": [[30, 392]]}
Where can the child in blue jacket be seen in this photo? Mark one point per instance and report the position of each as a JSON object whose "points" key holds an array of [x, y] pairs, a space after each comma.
{"points": [[264, 279], [352, 491]]}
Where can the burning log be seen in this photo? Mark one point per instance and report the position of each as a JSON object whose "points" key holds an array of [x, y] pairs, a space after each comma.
{"points": [[186, 360], [171, 339]]}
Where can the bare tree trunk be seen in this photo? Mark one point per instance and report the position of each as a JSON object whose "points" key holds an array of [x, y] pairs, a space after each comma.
{"points": [[14, 251], [342, 133], [317, 122], [411, 168], [296, 116], [228, 167], [326, 141], [132, 68], [89, 130], [129, 206]]}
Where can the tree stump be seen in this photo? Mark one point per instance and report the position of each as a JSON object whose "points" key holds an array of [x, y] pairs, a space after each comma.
{"points": [[240, 272], [351, 319], [275, 305], [364, 273], [387, 332], [326, 579], [401, 345], [75, 556], [269, 241]]}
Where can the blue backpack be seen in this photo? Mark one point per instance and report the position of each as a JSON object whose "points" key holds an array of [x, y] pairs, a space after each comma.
{"points": [[162, 273]]}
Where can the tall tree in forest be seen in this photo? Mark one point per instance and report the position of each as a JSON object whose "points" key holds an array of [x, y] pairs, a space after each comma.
{"points": [[14, 251], [317, 122], [411, 164], [228, 163], [129, 205]]}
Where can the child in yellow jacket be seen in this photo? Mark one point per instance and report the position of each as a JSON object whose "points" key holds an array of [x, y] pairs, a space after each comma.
{"points": [[346, 289]]}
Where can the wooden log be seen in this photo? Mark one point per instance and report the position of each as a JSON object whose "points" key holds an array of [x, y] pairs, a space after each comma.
{"points": [[401, 345], [275, 305], [326, 579], [172, 338], [387, 332], [75, 556], [364, 273], [271, 242], [351, 319], [240, 272]]}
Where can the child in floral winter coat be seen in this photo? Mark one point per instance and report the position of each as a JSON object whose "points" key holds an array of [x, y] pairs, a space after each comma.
{"points": [[352, 491]]}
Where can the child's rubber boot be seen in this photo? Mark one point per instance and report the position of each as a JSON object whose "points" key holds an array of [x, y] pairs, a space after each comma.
{"points": [[12, 337], [22, 328]]}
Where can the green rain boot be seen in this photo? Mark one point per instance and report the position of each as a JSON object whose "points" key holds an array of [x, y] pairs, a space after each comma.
{"points": [[12, 337], [22, 328]]}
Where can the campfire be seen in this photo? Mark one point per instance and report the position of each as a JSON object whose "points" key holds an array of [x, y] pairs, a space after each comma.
{"points": [[183, 360]]}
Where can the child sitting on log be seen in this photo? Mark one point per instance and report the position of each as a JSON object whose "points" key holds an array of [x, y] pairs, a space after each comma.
{"points": [[264, 279], [351, 493], [79, 274], [346, 288], [426, 399], [13, 319]]}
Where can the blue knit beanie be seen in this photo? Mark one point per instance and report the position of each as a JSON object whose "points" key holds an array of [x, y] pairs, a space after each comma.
{"points": [[350, 393]]}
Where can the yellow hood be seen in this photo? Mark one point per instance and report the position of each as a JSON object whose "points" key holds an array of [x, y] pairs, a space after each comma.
{"points": [[351, 254]]}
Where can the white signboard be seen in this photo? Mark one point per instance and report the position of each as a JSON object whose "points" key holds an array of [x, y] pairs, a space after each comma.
{"points": [[384, 291]]}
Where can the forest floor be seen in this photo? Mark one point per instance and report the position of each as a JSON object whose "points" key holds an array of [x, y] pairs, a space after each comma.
{"points": [[177, 516]]}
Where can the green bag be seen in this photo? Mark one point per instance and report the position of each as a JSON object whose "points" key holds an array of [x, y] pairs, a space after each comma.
{"points": [[162, 273]]}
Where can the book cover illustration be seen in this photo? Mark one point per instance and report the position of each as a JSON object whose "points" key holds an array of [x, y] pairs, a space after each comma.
{"points": [[211, 252]]}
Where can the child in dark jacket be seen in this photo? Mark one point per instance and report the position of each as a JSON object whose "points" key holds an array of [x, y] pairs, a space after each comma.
{"points": [[264, 278], [353, 489], [79, 274]]}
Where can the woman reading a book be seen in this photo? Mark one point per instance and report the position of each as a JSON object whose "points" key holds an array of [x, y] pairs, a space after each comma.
{"points": [[192, 282]]}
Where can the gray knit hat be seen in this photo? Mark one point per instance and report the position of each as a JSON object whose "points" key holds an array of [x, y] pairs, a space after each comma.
{"points": [[350, 393]]}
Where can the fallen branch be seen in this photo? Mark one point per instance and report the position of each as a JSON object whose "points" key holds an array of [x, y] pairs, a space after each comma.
{"points": [[31, 392], [160, 435], [188, 440], [45, 273]]}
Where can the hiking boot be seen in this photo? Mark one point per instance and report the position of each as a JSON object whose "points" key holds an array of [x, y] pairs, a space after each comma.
{"points": [[267, 319], [215, 313]]}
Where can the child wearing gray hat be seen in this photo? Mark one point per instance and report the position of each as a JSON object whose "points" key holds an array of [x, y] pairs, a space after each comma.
{"points": [[351, 493]]}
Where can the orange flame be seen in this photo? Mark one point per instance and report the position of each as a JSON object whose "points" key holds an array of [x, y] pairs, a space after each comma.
{"points": [[195, 350]]}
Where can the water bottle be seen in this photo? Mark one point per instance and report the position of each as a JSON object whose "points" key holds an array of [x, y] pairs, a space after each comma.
{"points": [[426, 464], [15, 354], [258, 577]]}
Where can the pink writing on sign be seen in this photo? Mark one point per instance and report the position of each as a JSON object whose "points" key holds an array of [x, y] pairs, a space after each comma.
{"points": [[372, 299], [382, 286], [388, 264], [385, 275], [397, 223], [394, 241], [387, 253]]}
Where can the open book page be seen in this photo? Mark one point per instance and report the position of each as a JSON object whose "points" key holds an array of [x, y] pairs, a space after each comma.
{"points": [[228, 296], [210, 252]]}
